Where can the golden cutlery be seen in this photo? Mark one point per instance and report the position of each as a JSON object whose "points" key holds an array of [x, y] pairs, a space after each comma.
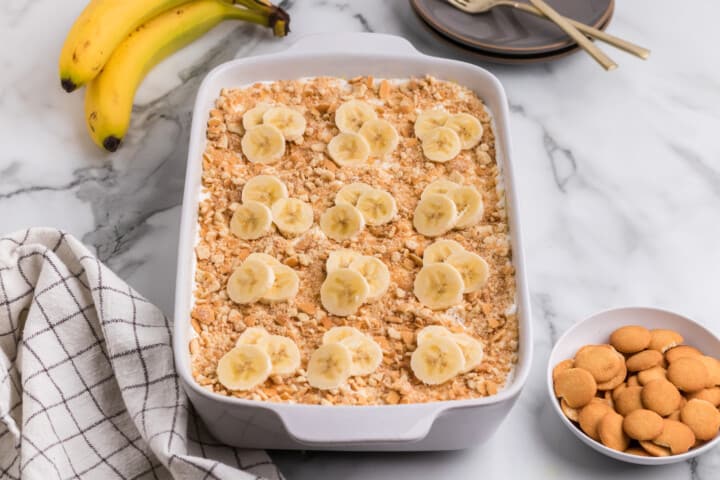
{"points": [[482, 6]]}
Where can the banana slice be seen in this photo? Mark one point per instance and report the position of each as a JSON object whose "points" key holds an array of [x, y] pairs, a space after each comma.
{"points": [[441, 144], [292, 216], [250, 281], [375, 272], [348, 149], [254, 116], [473, 269], [244, 367], [381, 136], [338, 334], [438, 286], [290, 122], [468, 128], [434, 215], [440, 250], [266, 189], [341, 258], [263, 144], [341, 222], [343, 292], [366, 354], [377, 206], [432, 331], [285, 286], [437, 360], [329, 366], [350, 194], [472, 350], [268, 260], [283, 352], [441, 186], [430, 120], [351, 115], [252, 336], [469, 204], [251, 220]]}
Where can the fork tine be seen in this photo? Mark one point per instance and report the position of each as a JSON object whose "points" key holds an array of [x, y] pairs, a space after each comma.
{"points": [[460, 4]]}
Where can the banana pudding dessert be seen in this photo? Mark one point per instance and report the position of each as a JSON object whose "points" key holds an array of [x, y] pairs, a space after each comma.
{"points": [[353, 245]]}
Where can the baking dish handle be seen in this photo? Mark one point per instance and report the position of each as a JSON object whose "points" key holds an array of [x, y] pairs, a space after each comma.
{"points": [[352, 42], [331, 425]]}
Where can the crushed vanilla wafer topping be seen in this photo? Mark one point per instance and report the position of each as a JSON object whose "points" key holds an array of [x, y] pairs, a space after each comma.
{"points": [[310, 175]]}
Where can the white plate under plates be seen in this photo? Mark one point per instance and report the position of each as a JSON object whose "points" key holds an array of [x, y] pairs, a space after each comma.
{"points": [[428, 426]]}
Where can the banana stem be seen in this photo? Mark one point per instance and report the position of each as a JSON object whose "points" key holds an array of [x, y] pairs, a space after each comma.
{"points": [[277, 18]]}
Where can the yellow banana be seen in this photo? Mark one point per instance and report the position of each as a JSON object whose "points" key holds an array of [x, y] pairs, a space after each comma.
{"points": [[109, 96], [104, 24], [98, 31]]}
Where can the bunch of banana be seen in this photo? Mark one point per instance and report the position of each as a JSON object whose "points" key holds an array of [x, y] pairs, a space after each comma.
{"points": [[114, 43]]}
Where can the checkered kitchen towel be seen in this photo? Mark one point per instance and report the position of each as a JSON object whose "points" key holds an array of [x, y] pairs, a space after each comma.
{"points": [[87, 382]]}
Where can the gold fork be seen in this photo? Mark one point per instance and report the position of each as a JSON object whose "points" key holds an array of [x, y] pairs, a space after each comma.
{"points": [[481, 6]]}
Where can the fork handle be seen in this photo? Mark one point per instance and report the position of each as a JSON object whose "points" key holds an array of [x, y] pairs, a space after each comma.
{"points": [[575, 34], [596, 33]]}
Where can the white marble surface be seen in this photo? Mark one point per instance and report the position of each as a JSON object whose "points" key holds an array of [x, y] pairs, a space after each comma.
{"points": [[619, 181]]}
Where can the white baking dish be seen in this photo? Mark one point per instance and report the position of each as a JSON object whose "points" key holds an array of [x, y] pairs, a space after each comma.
{"points": [[430, 426]]}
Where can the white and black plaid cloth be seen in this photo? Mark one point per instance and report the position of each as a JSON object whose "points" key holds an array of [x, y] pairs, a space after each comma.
{"points": [[88, 387]]}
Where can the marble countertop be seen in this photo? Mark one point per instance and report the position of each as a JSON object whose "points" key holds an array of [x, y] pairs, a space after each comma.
{"points": [[619, 180]]}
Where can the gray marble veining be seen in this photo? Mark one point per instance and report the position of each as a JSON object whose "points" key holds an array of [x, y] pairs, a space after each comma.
{"points": [[619, 176]]}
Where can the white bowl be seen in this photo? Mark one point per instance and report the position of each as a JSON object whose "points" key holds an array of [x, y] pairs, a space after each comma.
{"points": [[597, 330]]}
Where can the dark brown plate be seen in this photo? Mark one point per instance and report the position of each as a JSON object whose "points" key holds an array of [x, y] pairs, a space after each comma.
{"points": [[507, 31], [492, 57]]}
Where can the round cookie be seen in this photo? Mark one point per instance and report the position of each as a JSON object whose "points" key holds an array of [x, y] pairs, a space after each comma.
{"points": [[600, 360], [629, 400], [688, 374], [711, 395], [571, 413], [655, 373], [654, 449], [661, 396], [644, 360], [590, 417], [617, 390], [611, 433], [662, 340], [682, 351], [630, 339], [561, 367], [637, 451], [702, 417], [643, 424], [617, 379], [576, 386], [676, 436], [713, 367]]}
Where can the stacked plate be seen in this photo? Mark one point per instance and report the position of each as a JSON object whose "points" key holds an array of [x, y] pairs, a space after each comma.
{"points": [[507, 35]]}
